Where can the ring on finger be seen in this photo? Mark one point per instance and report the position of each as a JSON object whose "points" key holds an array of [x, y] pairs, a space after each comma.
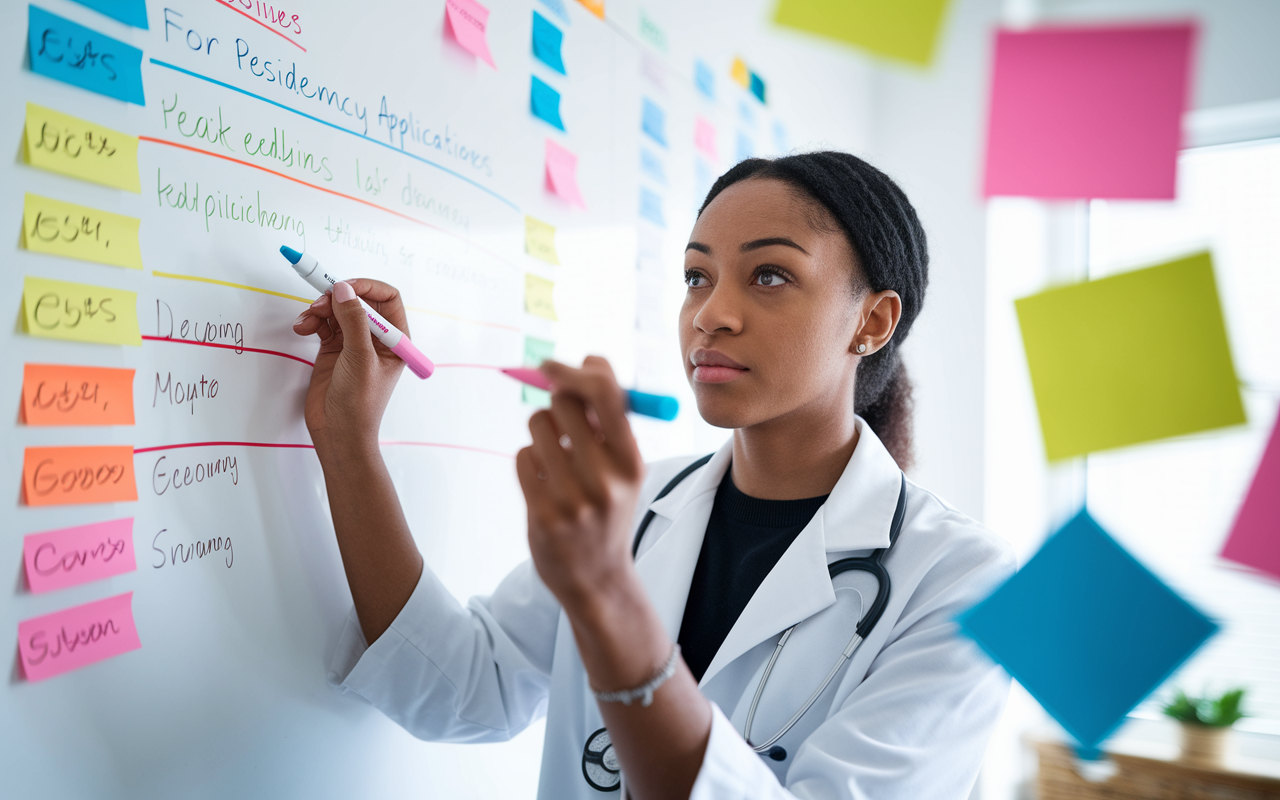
{"points": [[565, 441]]}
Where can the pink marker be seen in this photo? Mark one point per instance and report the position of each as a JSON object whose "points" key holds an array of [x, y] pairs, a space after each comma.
{"points": [[310, 270], [657, 406]]}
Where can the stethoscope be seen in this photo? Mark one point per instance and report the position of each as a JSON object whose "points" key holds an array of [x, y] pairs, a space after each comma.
{"points": [[600, 765]]}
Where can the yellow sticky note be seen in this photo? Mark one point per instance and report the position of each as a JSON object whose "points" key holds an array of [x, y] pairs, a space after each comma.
{"points": [[740, 74], [1130, 358], [537, 296], [903, 29], [66, 229], [540, 240], [79, 312], [72, 146]]}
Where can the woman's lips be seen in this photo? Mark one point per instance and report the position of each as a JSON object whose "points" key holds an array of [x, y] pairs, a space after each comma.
{"points": [[711, 366], [709, 374]]}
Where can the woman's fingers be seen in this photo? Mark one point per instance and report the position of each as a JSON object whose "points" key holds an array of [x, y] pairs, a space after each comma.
{"points": [[384, 298], [595, 386], [583, 448], [561, 481]]}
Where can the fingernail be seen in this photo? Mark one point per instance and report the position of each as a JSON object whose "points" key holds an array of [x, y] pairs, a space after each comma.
{"points": [[300, 318], [343, 292], [319, 300]]}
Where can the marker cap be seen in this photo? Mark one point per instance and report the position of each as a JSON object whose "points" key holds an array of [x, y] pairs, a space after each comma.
{"points": [[418, 364], [657, 406]]}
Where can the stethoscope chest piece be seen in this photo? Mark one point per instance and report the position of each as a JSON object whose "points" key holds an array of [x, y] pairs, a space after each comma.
{"points": [[600, 763]]}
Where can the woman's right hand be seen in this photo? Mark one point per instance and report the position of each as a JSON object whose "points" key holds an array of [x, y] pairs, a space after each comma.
{"points": [[354, 374]]}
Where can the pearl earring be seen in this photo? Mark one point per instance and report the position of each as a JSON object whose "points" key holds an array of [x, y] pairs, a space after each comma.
{"points": [[862, 348]]}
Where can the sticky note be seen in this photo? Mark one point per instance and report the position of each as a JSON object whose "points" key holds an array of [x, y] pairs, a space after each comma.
{"points": [[547, 39], [652, 32], [557, 7], [538, 297], [757, 87], [562, 177], [64, 394], [77, 637], [651, 165], [71, 556], [653, 121], [1086, 112], [1087, 629], [59, 476], [906, 30], [71, 53], [79, 312], [1255, 536], [130, 12], [544, 102], [740, 74], [1130, 358], [594, 6], [540, 240], [704, 137], [72, 146], [704, 79], [745, 148], [79, 232], [651, 206], [466, 21], [535, 352]]}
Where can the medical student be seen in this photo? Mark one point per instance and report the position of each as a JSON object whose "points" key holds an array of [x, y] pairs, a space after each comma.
{"points": [[804, 276]]}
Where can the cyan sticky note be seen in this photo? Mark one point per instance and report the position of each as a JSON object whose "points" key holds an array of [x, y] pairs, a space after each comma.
{"points": [[745, 148], [130, 12], [651, 165], [757, 87], [557, 7], [1087, 629], [81, 56], [704, 79], [651, 206], [547, 39], [653, 121], [544, 102]]}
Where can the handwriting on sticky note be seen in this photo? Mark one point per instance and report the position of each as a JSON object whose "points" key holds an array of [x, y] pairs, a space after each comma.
{"points": [[77, 637], [72, 146], [71, 556], [547, 39], [538, 296], [63, 394], [66, 229], [704, 137], [55, 476], [79, 312], [467, 20], [540, 240], [562, 177], [71, 53]]}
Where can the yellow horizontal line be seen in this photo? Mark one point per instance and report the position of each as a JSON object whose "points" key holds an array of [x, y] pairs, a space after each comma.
{"points": [[217, 282]]}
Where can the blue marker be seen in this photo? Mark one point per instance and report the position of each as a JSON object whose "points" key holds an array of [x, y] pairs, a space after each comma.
{"points": [[657, 406]]}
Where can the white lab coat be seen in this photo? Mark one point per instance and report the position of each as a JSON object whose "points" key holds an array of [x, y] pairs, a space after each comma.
{"points": [[909, 717]]}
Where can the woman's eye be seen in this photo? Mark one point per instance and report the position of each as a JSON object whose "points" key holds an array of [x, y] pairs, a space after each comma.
{"points": [[769, 278], [694, 279]]}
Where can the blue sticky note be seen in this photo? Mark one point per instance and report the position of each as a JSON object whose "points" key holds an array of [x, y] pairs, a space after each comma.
{"points": [[1087, 629], [651, 165], [745, 147], [704, 79], [557, 7], [703, 180], [653, 121], [746, 113], [81, 56], [130, 12], [757, 87], [544, 102], [651, 206], [547, 39]]}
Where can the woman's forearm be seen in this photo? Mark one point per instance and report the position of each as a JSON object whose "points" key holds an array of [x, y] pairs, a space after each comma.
{"points": [[381, 559]]}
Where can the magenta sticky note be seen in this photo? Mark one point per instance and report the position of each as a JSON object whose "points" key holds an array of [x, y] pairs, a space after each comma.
{"points": [[467, 20], [1088, 112], [1255, 536], [704, 137], [562, 174], [66, 557], [77, 637]]}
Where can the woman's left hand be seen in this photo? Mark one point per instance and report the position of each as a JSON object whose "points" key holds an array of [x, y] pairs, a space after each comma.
{"points": [[581, 478]]}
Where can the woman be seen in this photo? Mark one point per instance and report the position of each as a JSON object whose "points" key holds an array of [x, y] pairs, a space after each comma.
{"points": [[804, 275]]}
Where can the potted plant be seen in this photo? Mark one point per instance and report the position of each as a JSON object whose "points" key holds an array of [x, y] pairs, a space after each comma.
{"points": [[1205, 722]]}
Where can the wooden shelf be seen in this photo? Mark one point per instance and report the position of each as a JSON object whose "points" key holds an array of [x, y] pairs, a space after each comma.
{"points": [[1139, 778]]}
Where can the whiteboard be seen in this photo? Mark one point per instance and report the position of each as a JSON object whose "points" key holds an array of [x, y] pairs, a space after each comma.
{"points": [[227, 695]]}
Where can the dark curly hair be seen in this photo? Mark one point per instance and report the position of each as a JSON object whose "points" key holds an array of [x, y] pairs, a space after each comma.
{"points": [[889, 244]]}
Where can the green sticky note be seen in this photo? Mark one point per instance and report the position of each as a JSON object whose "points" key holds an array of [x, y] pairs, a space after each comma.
{"points": [[1130, 358], [535, 352], [903, 29]]}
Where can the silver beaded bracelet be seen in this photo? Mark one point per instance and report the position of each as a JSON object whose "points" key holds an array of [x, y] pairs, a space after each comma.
{"points": [[644, 692]]}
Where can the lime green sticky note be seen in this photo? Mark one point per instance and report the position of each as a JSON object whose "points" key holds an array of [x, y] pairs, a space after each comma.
{"points": [[903, 29], [535, 352], [1130, 358]]}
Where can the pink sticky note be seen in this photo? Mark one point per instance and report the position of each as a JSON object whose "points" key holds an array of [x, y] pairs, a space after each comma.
{"points": [[467, 21], [1255, 537], [562, 168], [704, 137], [77, 637], [1088, 112], [66, 557]]}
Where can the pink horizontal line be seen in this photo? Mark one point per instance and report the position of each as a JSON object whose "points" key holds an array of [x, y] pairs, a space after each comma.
{"points": [[235, 347], [388, 443], [449, 446], [470, 366]]}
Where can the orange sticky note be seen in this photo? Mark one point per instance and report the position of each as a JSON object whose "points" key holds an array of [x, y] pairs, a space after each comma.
{"points": [[594, 6], [56, 476], [64, 394], [562, 174], [77, 637]]}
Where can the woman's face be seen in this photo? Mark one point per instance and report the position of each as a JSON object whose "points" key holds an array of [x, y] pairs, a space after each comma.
{"points": [[770, 322]]}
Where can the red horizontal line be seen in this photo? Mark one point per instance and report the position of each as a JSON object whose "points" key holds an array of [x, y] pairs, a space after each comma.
{"points": [[237, 348], [263, 24], [469, 366], [390, 443]]}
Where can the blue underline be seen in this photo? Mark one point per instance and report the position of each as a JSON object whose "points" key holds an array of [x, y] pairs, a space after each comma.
{"points": [[361, 136]]}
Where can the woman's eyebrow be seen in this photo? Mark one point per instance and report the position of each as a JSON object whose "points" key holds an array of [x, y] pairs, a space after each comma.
{"points": [[782, 240], [699, 246]]}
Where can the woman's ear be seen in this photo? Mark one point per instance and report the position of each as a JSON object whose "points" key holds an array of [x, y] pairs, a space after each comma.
{"points": [[880, 313]]}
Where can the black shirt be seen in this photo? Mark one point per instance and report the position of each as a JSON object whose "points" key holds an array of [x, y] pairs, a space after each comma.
{"points": [[745, 538]]}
